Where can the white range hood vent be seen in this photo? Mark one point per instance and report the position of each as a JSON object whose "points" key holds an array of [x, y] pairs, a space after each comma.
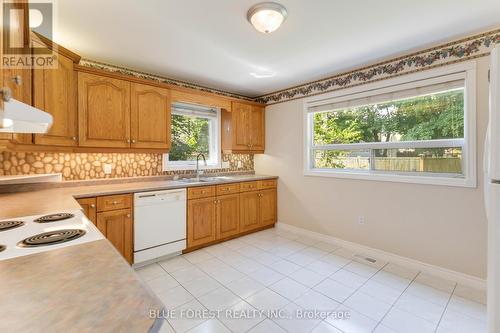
{"points": [[17, 117]]}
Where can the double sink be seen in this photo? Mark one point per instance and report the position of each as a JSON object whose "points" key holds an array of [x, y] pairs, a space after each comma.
{"points": [[204, 180]]}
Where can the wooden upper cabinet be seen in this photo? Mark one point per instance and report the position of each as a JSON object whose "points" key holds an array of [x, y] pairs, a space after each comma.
{"points": [[103, 111], [228, 215], [16, 36], [54, 91], [257, 128], [150, 117], [201, 221], [16, 79], [243, 129]]}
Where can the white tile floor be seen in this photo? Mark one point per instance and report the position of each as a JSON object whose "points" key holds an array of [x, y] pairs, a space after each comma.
{"points": [[275, 270]]}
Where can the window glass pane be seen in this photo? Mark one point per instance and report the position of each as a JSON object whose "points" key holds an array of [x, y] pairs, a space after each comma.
{"points": [[427, 117], [190, 136], [433, 160], [341, 159]]}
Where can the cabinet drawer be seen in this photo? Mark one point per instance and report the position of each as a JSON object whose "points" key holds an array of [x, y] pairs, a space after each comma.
{"points": [[228, 189], [201, 192], [268, 183], [249, 186], [113, 202]]}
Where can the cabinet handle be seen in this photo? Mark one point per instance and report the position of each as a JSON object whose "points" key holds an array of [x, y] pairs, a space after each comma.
{"points": [[128, 140], [18, 80], [73, 138], [92, 206], [115, 202], [128, 215], [133, 141], [215, 202]]}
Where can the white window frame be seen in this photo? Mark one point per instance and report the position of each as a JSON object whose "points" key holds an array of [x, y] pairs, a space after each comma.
{"points": [[465, 71], [215, 152]]}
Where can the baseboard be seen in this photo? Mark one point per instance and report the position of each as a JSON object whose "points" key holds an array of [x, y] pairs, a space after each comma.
{"points": [[448, 274]]}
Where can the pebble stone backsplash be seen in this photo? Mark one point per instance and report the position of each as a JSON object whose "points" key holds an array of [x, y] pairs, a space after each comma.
{"points": [[84, 166]]}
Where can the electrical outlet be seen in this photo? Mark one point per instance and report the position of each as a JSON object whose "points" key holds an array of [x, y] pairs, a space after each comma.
{"points": [[107, 169], [361, 220]]}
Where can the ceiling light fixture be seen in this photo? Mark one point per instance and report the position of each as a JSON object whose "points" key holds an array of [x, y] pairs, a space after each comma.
{"points": [[266, 17]]}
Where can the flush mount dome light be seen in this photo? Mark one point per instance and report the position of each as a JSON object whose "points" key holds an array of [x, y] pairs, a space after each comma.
{"points": [[266, 17]]}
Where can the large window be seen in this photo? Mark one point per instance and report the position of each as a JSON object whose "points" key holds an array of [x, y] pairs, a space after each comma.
{"points": [[195, 130], [416, 131]]}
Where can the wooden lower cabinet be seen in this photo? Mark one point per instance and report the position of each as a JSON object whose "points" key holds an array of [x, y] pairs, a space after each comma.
{"points": [[117, 226], [201, 221], [215, 217], [249, 211], [267, 207], [228, 215], [89, 208], [112, 215]]}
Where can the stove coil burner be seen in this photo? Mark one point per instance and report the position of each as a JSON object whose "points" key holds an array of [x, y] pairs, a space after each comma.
{"points": [[2, 247], [6, 225], [52, 238], [54, 217]]}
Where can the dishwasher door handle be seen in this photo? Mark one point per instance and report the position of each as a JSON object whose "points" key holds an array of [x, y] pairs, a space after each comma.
{"points": [[146, 196]]}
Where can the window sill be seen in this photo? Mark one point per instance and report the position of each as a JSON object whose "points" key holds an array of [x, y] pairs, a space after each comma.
{"points": [[398, 178]]}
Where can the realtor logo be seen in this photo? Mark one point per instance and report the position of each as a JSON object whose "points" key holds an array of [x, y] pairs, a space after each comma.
{"points": [[26, 26]]}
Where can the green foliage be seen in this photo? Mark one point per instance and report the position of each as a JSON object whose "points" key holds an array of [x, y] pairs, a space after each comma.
{"points": [[437, 116], [190, 137]]}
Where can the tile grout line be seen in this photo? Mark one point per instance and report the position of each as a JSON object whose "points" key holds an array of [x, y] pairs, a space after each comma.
{"points": [[397, 299], [446, 307], [364, 283], [269, 237]]}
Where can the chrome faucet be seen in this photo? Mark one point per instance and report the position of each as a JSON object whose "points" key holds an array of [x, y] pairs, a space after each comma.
{"points": [[198, 172]]}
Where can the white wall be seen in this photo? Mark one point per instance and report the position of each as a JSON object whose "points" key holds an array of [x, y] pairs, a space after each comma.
{"points": [[439, 225]]}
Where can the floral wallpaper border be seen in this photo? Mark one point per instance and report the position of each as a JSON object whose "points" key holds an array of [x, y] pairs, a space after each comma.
{"points": [[456, 51], [158, 78]]}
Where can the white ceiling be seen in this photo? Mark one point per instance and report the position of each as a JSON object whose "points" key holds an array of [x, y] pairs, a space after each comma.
{"points": [[209, 42]]}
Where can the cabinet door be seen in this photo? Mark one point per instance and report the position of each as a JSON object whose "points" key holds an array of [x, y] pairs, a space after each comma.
{"points": [[257, 131], [241, 126], [249, 211], [150, 117], [228, 215], [117, 226], [16, 37], [103, 111], [202, 220], [89, 208], [18, 80], [268, 207], [54, 91]]}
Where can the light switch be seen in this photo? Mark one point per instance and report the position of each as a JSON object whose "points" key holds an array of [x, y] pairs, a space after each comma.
{"points": [[107, 169]]}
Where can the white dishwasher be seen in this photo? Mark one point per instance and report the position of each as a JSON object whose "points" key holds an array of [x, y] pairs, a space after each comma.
{"points": [[159, 224]]}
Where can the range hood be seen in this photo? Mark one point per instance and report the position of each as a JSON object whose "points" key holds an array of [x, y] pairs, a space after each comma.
{"points": [[18, 117]]}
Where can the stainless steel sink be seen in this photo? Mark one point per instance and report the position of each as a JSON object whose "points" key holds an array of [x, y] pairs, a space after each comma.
{"points": [[194, 180], [204, 179]]}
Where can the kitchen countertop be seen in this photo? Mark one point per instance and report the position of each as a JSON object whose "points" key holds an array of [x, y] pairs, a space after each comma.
{"points": [[63, 198], [80, 288]]}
